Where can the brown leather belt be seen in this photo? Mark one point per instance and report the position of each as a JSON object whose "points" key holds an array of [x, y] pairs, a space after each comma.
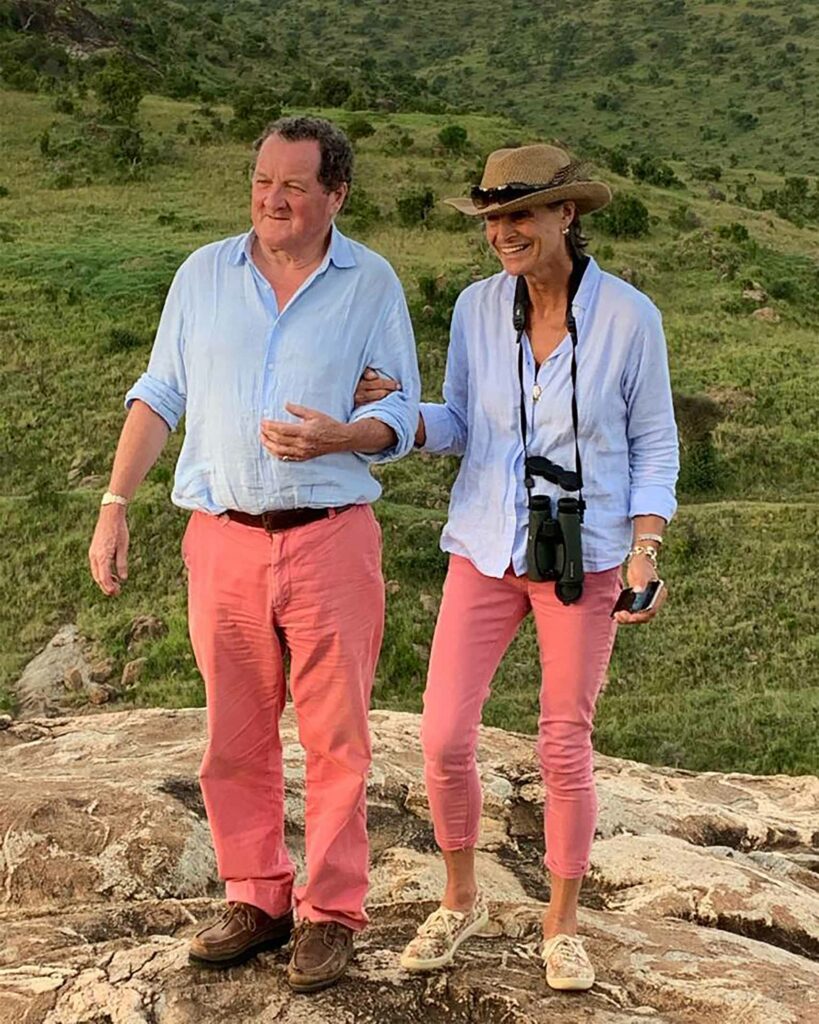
{"points": [[284, 518]]}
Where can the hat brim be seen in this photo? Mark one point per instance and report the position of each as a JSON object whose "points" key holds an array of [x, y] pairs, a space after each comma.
{"points": [[586, 195]]}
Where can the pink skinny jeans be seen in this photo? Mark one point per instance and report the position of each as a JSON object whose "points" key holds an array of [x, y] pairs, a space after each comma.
{"points": [[478, 619], [316, 591]]}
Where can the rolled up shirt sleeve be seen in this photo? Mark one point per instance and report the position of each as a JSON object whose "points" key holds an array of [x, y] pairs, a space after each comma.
{"points": [[163, 386], [446, 424], [653, 447], [391, 353]]}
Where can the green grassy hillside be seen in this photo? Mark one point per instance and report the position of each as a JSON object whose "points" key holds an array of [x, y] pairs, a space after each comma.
{"points": [[701, 82], [724, 679]]}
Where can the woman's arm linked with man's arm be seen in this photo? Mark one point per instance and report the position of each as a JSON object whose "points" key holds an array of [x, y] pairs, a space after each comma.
{"points": [[442, 427]]}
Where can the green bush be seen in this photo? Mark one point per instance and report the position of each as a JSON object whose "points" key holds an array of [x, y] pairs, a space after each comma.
{"points": [[697, 418], [683, 218], [626, 216], [453, 138], [617, 161], [253, 109], [359, 128], [415, 207], [332, 90], [654, 172], [119, 90]]}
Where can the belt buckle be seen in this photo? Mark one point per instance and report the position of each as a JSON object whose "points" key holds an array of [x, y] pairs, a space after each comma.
{"points": [[269, 521]]}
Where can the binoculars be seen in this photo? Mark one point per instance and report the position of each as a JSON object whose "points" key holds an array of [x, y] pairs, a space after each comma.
{"points": [[553, 548]]}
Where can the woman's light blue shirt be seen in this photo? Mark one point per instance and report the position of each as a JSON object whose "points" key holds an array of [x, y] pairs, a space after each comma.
{"points": [[227, 358], [628, 437]]}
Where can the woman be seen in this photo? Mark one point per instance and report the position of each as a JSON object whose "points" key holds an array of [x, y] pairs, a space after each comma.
{"points": [[575, 371]]}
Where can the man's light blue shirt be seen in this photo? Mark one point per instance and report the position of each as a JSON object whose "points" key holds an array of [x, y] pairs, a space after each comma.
{"points": [[628, 437], [226, 357]]}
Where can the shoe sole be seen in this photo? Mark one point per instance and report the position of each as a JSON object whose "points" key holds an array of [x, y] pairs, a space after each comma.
{"points": [[447, 958], [239, 958], [306, 987], [569, 984]]}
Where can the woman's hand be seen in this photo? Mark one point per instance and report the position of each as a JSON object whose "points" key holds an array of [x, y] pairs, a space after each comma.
{"points": [[639, 574], [372, 388]]}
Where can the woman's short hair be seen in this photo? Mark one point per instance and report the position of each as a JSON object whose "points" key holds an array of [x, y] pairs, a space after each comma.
{"points": [[336, 166]]}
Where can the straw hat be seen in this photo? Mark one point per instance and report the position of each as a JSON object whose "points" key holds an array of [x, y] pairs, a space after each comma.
{"points": [[515, 179]]}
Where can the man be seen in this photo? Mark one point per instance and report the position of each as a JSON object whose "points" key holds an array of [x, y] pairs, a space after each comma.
{"points": [[261, 343]]}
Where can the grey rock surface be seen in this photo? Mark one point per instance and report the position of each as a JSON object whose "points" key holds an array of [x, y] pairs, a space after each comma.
{"points": [[702, 905]]}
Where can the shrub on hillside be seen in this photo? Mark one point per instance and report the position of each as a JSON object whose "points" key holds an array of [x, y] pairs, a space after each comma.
{"points": [[655, 172], [607, 101], [119, 90], [733, 232], [743, 119], [253, 109], [683, 218], [361, 211], [28, 61], [620, 55], [332, 89], [697, 418], [626, 216], [359, 128], [415, 207], [617, 161], [453, 138]]}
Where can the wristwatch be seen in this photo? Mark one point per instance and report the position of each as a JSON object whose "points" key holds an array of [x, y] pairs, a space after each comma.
{"points": [[113, 499]]}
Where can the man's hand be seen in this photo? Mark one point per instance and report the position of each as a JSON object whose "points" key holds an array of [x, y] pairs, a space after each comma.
{"points": [[317, 434], [639, 574], [372, 388], [108, 554]]}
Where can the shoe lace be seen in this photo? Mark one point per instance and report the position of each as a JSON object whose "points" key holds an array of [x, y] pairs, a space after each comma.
{"points": [[568, 951], [242, 912], [438, 924]]}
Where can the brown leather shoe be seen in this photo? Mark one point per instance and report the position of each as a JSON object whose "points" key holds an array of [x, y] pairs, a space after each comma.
{"points": [[240, 933], [321, 952]]}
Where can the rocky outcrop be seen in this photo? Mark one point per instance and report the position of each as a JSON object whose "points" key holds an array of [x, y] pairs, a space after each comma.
{"points": [[68, 670], [702, 904]]}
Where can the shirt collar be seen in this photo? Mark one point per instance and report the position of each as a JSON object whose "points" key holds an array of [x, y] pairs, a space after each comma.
{"points": [[340, 252], [585, 293]]}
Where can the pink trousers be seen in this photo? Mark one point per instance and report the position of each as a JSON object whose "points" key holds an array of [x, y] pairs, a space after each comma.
{"points": [[479, 616], [317, 592]]}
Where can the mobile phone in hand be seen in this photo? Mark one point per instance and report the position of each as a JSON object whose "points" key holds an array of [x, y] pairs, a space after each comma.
{"points": [[638, 600]]}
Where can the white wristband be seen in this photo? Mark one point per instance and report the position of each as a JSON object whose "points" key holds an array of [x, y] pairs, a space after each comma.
{"points": [[113, 499]]}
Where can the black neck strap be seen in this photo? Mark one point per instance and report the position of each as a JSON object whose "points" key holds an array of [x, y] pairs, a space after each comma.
{"points": [[519, 314]]}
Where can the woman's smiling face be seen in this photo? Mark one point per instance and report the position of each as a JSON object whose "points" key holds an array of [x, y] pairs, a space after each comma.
{"points": [[529, 240]]}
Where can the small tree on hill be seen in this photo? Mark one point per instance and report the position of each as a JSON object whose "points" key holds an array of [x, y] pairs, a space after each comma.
{"points": [[415, 207], [359, 128], [119, 90], [453, 138], [253, 109], [626, 216]]}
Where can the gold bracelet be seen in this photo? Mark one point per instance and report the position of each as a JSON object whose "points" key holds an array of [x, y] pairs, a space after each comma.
{"points": [[648, 536], [642, 549]]}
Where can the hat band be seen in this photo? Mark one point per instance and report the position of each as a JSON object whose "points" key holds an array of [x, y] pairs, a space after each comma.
{"points": [[512, 190], [505, 193]]}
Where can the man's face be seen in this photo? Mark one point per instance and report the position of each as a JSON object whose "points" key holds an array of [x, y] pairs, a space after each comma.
{"points": [[289, 208]]}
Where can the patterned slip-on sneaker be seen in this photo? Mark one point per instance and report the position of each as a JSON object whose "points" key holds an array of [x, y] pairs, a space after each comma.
{"points": [[438, 938], [567, 964]]}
